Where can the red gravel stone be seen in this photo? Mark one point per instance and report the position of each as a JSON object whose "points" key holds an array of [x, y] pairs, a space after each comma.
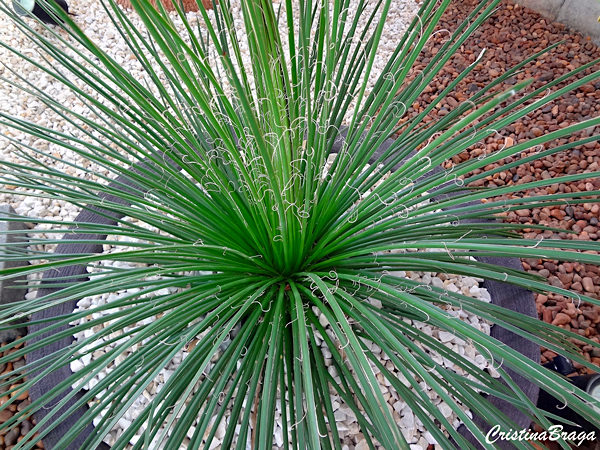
{"points": [[588, 284], [561, 319]]}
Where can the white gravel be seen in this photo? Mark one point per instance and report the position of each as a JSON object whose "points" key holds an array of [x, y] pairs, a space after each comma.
{"points": [[92, 18]]}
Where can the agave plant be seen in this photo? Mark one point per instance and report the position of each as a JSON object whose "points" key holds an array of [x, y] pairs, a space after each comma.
{"points": [[245, 233]]}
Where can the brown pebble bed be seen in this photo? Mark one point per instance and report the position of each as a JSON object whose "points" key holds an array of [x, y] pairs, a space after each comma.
{"points": [[511, 35], [9, 438]]}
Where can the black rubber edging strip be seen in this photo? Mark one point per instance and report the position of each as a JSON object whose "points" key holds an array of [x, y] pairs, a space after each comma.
{"points": [[503, 294]]}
